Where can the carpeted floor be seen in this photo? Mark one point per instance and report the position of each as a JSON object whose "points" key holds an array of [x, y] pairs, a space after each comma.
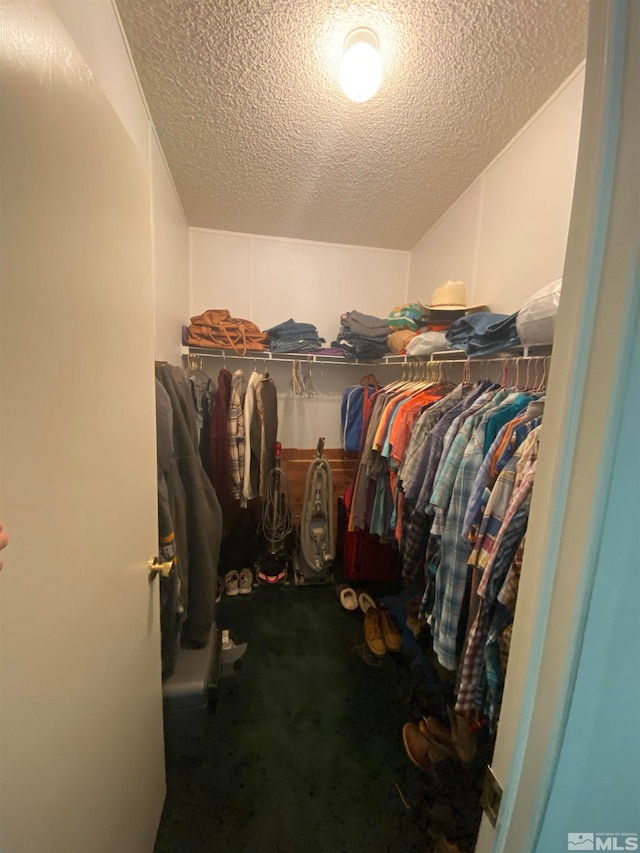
{"points": [[305, 743]]}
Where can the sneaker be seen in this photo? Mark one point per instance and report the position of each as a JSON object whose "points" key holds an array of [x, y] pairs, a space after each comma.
{"points": [[245, 581], [231, 582], [390, 633], [373, 632]]}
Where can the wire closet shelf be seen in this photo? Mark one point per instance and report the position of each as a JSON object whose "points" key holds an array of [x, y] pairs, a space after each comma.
{"points": [[451, 356]]}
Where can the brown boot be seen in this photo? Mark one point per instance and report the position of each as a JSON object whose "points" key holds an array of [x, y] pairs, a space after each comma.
{"points": [[390, 633], [438, 731], [416, 746], [464, 741], [373, 636], [438, 751]]}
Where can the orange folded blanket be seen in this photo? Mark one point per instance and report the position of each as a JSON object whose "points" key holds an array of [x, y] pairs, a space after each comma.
{"points": [[217, 329]]}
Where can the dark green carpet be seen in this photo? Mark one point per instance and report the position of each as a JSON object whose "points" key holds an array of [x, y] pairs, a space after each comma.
{"points": [[305, 742]]}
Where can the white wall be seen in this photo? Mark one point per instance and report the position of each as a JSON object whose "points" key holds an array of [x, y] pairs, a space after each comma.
{"points": [[96, 30], [506, 236], [268, 279], [170, 259]]}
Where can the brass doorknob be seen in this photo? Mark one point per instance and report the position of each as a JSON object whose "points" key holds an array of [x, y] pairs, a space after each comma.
{"points": [[156, 567]]}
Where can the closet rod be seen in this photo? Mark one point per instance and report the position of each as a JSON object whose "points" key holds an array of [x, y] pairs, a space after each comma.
{"points": [[452, 356]]}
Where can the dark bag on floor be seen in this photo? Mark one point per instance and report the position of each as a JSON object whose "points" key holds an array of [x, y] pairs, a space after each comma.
{"points": [[364, 556]]}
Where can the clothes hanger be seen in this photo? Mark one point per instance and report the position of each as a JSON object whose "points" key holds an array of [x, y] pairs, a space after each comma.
{"points": [[195, 368], [307, 381]]}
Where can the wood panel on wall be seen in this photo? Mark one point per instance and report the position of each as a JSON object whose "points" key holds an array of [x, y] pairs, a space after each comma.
{"points": [[295, 463]]}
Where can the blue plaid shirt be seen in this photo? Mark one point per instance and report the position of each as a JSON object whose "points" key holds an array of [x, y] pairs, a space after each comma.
{"points": [[452, 573], [413, 467]]}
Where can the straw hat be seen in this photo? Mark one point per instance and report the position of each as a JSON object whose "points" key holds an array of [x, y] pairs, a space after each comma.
{"points": [[451, 296]]}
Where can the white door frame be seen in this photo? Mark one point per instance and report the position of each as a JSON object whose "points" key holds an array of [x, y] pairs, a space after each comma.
{"points": [[583, 401]]}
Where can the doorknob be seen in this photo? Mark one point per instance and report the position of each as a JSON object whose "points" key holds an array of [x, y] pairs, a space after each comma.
{"points": [[158, 568]]}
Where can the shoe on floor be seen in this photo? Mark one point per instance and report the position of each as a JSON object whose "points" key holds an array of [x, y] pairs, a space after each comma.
{"points": [[347, 596], [231, 580], [437, 731], [245, 581], [364, 600], [390, 633], [444, 846], [438, 751], [373, 632], [416, 746]]}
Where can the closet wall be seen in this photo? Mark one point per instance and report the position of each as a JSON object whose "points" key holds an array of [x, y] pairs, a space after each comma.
{"points": [[268, 280], [506, 236], [95, 28]]}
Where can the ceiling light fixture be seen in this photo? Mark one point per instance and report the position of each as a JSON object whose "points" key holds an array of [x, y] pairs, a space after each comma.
{"points": [[361, 65]]}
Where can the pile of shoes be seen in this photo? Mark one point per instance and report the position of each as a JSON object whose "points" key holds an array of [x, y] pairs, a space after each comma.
{"points": [[381, 634], [238, 582], [447, 753]]}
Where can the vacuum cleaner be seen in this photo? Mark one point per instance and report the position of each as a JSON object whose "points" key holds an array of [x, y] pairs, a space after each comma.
{"points": [[315, 551]]}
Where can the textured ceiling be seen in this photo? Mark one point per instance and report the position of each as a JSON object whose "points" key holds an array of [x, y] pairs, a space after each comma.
{"points": [[260, 139]]}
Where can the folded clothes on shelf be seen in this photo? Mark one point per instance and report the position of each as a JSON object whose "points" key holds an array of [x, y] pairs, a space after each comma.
{"points": [[409, 316], [363, 336], [217, 329], [294, 337], [365, 325], [484, 333]]}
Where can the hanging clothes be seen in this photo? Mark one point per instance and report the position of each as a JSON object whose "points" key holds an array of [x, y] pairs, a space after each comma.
{"points": [[449, 473], [251, 477], [195, 510], [220, 456], [264, 429], [171, 606], [236, 432]]}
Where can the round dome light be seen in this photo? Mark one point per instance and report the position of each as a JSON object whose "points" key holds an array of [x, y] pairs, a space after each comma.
{"points": [[361, 65]]}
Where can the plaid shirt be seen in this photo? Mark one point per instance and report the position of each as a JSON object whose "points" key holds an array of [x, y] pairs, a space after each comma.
{"points": [[416, 521], [452, 573], [471, 692], [453, 448], [236, 430], [427, 433], [496, 651], [480, 493], [414, 467], [498, 502]]}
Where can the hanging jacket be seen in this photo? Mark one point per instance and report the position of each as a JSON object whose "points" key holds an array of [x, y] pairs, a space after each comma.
{"points": [[219, 453], [170, 607], [203, 517]]}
